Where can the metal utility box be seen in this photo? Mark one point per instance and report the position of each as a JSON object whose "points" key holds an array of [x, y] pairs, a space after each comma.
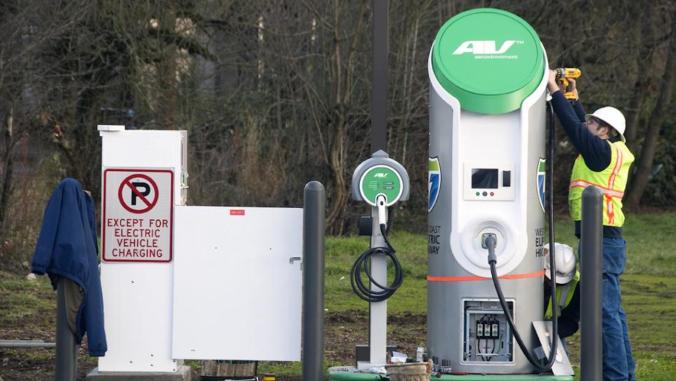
{"points": [[190, 282], [137, 289]]}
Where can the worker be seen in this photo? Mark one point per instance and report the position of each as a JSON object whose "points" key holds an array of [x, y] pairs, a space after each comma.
{"points": [[567, 292], [603, 162]]}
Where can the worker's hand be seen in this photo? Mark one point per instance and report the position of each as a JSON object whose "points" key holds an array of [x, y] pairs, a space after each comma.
{"points": [[572, 87], [572, 84], [552, 83]]}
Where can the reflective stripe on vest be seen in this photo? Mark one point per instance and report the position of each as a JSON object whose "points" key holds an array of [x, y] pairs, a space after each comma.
{"points": [[584, 183], [611, 181]]}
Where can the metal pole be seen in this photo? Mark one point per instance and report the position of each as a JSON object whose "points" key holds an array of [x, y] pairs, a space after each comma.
{"points": [[378, 310], [379, 94], [25, 344], [591, 267], [313, 281], [66, 350]]}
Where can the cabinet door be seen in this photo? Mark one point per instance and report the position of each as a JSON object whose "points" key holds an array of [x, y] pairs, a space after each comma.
{"points": [[237, 283]]}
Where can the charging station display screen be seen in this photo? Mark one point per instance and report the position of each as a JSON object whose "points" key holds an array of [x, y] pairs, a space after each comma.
{"points": [[484, 178]]}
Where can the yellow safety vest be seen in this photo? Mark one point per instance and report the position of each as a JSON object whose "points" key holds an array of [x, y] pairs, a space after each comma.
{"points": [[611, 181], [564, 294]]}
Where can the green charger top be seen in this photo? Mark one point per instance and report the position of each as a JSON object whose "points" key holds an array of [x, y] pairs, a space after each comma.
{"points": [[489, 59]]}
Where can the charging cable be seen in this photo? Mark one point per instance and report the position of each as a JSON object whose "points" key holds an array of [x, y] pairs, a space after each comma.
{"points": [[489, 241], [363, 264]]}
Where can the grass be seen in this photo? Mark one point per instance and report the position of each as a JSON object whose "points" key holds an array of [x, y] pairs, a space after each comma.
{"points": [[651, 310], [340, 255], [650, 249], [28, 312], [25, 304], [649, 291]]}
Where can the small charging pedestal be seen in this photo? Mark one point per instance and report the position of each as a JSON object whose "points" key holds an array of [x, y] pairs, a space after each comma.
{"points": [[380, 182]]}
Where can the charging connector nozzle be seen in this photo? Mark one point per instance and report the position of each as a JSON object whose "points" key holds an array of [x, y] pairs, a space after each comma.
{"points": [[489, 241], [381, 204]]}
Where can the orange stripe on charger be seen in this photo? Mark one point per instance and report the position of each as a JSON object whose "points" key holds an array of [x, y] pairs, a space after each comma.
{"points": [[472, 278]]}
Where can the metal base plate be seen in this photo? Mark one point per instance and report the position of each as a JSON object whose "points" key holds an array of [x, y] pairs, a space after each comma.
{"points": [[182, 374], [561, 366]]}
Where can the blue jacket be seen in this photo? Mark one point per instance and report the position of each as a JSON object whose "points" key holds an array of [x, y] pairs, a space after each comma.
{"points": [[67, 247]]}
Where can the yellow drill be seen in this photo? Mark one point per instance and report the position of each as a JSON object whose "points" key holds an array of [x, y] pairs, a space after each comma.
{"points": [[565, 73]]}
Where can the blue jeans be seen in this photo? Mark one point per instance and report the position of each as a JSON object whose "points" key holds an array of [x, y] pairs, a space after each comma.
{"points": [[618, 363]]}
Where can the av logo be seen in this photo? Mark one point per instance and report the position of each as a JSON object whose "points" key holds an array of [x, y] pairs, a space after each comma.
{"points": [[484, 47]]}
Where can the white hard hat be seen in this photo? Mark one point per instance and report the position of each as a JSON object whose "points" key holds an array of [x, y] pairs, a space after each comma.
{"points": [[612, 117], [565, 262]]}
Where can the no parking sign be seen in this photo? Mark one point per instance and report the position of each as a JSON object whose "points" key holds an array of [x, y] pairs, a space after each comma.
{"points": [[137, 215]]}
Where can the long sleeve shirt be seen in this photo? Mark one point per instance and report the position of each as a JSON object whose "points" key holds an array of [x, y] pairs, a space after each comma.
{"points": [[596, 152]]}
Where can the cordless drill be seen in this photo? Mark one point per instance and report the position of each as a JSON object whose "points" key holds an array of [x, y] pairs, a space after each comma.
{"points": [[563, 74]]}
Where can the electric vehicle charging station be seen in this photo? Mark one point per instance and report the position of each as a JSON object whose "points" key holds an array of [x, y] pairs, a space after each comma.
{"points": [[380, 182], [488, 74]]}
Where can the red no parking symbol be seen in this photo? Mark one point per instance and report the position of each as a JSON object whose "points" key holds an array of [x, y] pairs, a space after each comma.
{"points": [[138, 193]]}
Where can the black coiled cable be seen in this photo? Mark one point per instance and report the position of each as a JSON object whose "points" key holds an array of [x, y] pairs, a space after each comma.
{"points": [[363, 264]]}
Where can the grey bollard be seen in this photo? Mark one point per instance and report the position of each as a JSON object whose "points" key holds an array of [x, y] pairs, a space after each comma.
{"points": [[591, 266], [66, 350], [313, 281]]}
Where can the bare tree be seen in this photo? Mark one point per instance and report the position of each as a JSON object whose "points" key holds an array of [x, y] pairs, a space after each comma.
{"points": [[655, 123], [275, 94]]}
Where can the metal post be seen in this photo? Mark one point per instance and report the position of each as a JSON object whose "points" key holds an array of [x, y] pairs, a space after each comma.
{"points": [[377, 310], [313, 281], [66, 350], [380, 66], [591, 266]]}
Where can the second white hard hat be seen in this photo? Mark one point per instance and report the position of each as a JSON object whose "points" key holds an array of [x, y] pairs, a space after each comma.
{"points": [[565, 262], [612, 117]]}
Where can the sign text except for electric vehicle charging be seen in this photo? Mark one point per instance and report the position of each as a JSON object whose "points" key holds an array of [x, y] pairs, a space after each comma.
{"points": [[137, 215]]}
